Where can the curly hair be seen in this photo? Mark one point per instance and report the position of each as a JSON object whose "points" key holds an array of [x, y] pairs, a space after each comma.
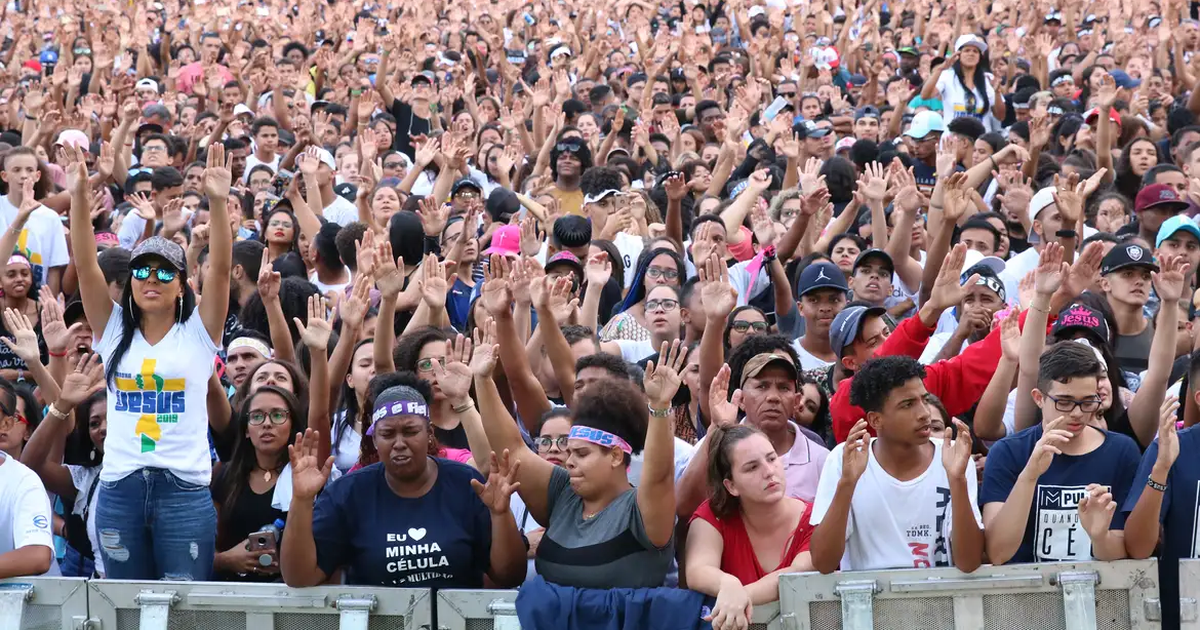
{"points": [[408, 348], [616, 406], [380, 383], [879, 377]]}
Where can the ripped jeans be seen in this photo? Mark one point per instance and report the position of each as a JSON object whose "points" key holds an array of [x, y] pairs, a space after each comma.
{"points": [[153, 525]]}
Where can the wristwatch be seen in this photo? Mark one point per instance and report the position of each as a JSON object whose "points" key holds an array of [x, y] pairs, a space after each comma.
{"points": [[659, 413]]}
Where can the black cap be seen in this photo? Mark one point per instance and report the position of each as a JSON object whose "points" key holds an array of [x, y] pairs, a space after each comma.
{"points": [[1128, 255], [465, 182], [874, 253], [572, 230], [346, 191], [502, 204], [426, 77], [635, 78], [870, 111], [73, 312]]}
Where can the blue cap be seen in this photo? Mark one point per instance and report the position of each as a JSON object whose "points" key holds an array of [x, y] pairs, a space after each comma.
{"points": [[846, 326], [48, 57], [821, 275], [1173, 225], [1124, 80]]}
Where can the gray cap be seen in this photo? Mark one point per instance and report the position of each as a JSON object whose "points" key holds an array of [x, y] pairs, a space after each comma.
{"points": [[847, 325], [169, 251]]}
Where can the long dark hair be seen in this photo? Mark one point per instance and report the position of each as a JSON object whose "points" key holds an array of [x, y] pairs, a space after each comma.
{"points": [[349, 401], [262, 236], [131, 317], [236, 474], [637, 291], [80, 450], [979, 77]]}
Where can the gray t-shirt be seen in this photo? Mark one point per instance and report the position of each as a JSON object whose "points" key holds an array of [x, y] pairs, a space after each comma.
{"points": [[609, 550], [1133, 352]]}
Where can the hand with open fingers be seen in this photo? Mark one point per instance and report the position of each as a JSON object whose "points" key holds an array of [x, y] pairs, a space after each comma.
{"points": [[723, 408], [269, 280], [947, 292], [598, 270], [1068, 198], [24, 343], [54, 330], [1171, 278], [1053, 437], [388, 276], [662, 381], [1048, 275], [436, 280], [1096, 510], [810, 175], [954, 198], [733, 609], [483, 359], [956, 455], [1010, 336], [501, 484], [1168, 433], [309, 474], [143, 207], [218, 172], [876, 180], [353, 310], [85, 379], [496, 295], [856, 451], [556, 296], [815, 200], [454, 378], [316, 333], [718, 294], [1083, 273]]}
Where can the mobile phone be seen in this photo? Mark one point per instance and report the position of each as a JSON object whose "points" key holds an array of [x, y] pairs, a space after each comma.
{"points": [[267, 546], [774, 108], [282, 181]]}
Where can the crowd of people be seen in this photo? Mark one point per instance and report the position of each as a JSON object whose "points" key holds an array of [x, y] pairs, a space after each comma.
{"points": [[671, 297]]}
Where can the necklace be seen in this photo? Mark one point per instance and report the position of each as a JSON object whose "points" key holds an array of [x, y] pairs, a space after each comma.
{"points": [[267, 474]]}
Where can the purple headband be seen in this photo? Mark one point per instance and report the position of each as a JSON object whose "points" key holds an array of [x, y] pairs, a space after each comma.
{"points": [[597, 436], [398, 408]]}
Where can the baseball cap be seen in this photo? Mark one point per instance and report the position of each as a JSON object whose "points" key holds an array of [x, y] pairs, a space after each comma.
{"points": [[874, 253], [1080, 316], [908, 50], [846, 325], [1091, 115], [425, 76], [169, 251], [845, 144], [465, 182], [925, 123], [600, 196], [759, 362], [821, 275], [500, 203], [242, 110], [1128, 255], [73, 312], [565, 258], [327, 158], [1173, 225], [870, 111], [1040, 200], [505, 241], [974, 258], [1124, 80], [811, 130], [1159, 196], [146, 84], [73, 138], [970, 40]]}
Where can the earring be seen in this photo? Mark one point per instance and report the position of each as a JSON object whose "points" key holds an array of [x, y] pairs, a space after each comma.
{"points": [[92, 457], [179, 315]]}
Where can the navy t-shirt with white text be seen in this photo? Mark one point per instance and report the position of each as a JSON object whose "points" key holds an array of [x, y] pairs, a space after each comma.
{"points": [[1053, 532], [1180, 506], [440, 540]]}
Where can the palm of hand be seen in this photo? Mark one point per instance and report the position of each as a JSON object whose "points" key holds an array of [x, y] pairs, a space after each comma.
{"points": [[268, 286], [25, 345], [724, 413], [1169, 286], [1047, 280], [456, 382], [718, 297], [390, 280], [664, 381], [317, 333], [496, 297], [876, 188], [217, 181], [483, 360], [307, 476]]}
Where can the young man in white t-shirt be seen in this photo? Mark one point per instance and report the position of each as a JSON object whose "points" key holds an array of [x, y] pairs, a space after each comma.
{"points": [[265, 132], [42, 239], [26, 541], [888, 502]]}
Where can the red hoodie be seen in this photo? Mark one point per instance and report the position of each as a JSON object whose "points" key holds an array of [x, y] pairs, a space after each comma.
{"points": [[959, 382]]}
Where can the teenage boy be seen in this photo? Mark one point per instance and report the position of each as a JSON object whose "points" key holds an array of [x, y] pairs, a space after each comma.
{"points": [[1049, 491], [1126, 282], [915, 505]]}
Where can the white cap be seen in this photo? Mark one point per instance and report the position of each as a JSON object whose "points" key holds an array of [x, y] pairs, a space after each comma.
{"points": [[150, 84], [925, 123], [327, 158], [970, 40], [754, 11], [1040, 200], [240, 109], [975, 258]]}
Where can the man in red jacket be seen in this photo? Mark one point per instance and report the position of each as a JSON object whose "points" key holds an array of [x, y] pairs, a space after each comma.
{"points": [[958, 382]]}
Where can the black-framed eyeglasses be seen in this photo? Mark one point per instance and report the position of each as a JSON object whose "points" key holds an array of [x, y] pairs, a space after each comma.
{"points": [[276, 416], [544, 442], [164, 275], [1066, 405], [659, 272], [666, 304], [759, 327]]}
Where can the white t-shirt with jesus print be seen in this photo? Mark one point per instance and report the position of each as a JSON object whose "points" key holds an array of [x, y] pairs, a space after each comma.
{"points": [[157, 416], [42, 241], [894, 524]]}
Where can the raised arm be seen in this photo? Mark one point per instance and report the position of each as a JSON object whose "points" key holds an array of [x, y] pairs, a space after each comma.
{"points": [[44, 451], [1169, 283], [214, 308], [268, 285], [1047, 278], [97, 305], [454, 379], [656, 492], [315, 334], [298, 554]]}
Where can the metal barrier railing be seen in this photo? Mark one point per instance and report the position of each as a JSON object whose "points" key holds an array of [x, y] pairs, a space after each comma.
{"points": [[1065, 596], [496, 610], [1119, 595]]}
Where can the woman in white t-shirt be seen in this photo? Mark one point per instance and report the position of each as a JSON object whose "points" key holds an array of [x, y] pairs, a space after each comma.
{"points": [[154, 513], [967, 90]]}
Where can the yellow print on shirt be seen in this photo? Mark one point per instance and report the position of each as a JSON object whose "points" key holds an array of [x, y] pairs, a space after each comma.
{"points": [[159, 401]]}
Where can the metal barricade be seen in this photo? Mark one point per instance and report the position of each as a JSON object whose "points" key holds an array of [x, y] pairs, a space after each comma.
{"points": [[1057, 596], [37, 603], [239, 606], [496, 610], [1189, 594]]}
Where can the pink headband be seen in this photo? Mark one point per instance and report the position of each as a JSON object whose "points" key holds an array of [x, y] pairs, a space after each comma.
{"points": [[17, 259], [597, 436]]}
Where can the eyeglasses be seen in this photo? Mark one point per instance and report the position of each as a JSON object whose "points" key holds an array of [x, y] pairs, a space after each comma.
{"points": [[544, 442], [393, 165], [1065, 405], [570, 147], [426, 365], [143, 273], [666, 304], [154, 148], [280, 224], [745, 326], [277, 417], [659, 272]]}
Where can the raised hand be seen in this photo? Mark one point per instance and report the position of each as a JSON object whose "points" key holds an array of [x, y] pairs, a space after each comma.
{"points": [[353, 309], [876, 182], [719, 296], [1048, 275], [436, 280], [598, 270], [142, 205], [947, 292], [454, 378], [1083, 273], [24, 343], [308, 473], [433, 216], [501, 484], [661, 382], [721, 407], [1010, 336], [315, 334], [85, 379], [954, 198], [54, 329], [218, 172], [956, 455], [496, 294], [1170, 279], [1168, 434], [269, 280], [856, 452], [1068, 198]]}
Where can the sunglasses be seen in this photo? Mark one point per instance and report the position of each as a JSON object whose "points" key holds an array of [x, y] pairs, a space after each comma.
{"points": [[276, 416], [164, 275], [544, 442], [393, 165], [745, 326], [569, 147]]}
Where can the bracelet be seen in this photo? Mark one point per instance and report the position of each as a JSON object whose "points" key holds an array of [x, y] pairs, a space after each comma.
{"points": [[54, 412], [1040, 310], [658, 413], [465, 407], [57, 354], [1154, 485], [994, 165], [30, 118]]}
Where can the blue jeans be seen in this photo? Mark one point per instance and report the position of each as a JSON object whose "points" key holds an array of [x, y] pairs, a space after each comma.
{"points": [[153, 525]]}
